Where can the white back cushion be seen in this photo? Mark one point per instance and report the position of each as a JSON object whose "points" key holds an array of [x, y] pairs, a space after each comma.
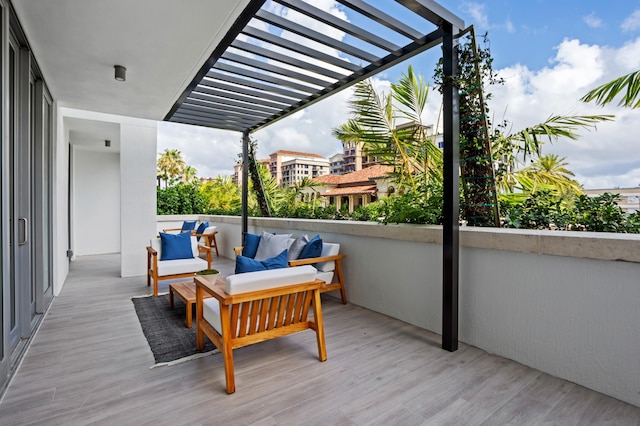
{"points": [[194, 246], [156, 244], [210, 229], [261, 280], [328, 249]]}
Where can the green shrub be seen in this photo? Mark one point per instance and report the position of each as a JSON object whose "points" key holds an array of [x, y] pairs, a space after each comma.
{"points": [[180, 199]]}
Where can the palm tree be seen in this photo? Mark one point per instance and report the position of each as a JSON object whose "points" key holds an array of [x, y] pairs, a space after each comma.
{"points": [[510, 151], [170, 165], [604, 94], [375, 125], [222, 194], [189, 174], [552, 170]]}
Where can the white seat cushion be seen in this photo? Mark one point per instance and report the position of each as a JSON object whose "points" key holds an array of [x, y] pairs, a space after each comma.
{"points": [[181, 266], [260, 280]]}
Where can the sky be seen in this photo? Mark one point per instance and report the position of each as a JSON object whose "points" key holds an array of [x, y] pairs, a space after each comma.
{"points": [[549, 53]]}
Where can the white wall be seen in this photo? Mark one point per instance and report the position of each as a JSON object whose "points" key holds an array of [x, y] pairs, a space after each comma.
{"points": [[138, 155], [566, 303], [60, 202], [136, 142], [96, 202]]}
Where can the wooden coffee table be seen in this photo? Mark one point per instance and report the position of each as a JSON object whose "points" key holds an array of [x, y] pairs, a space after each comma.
{"points": [[186, 291]]}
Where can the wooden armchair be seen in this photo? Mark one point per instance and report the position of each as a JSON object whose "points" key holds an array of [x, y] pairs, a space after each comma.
{"points": [[158, 269], [275, 303]]}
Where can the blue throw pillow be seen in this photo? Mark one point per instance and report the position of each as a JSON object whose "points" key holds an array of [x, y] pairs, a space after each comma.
{"points": [[176, 246], [201, 228], [312, 249], [277, 262], [188, 225], [246, 264], [251, 242]]}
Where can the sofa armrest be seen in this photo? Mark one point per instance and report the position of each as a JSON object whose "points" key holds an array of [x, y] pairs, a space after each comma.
{"points": [[313, 260], [151, 251], [214, 289], [207, 236], [171, 230]]}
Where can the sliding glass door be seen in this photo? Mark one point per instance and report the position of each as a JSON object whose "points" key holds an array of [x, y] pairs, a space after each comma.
{"points": [[27, 144]]}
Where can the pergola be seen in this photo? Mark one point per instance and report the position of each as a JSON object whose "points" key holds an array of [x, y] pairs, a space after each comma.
{"points": [[280, 57]]}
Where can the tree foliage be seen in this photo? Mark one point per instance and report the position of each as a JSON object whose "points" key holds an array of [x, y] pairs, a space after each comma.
{"points": [[629, 84], [182, 198], [171, 167], [390, 127]]}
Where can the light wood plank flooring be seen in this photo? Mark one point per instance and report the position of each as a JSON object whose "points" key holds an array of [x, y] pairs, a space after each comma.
{"points": [[89, 364]]}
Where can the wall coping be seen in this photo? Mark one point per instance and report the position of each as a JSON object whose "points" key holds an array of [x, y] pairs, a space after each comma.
{"points": [[589, 245]]}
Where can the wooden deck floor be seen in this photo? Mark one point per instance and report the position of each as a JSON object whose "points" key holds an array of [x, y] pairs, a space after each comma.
{"points": [[89, 364]]}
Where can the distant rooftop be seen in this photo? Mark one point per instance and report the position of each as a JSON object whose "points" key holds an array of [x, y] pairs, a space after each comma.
{"points": [[364, 175], [297, 153]]}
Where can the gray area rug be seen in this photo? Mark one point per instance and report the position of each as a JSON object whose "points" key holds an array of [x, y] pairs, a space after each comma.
{"points": [[171, 342]]}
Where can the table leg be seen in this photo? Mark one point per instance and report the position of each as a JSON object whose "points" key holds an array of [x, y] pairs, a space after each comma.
{"points": [[171, 297], [189, 306]]}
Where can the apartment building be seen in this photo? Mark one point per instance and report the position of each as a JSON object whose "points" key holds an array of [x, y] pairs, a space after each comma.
{"points": [[290, 167]]}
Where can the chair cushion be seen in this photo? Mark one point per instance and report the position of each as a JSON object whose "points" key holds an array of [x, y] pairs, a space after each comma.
{"points": [[312, 249], [211, 313], [296, 246], [250, 247], [246, 264], [260, 280], [271, 245], [188, 225], [176, 246], [327, 277], [209, 229], [328, 249], [181, 266], [201, 228]]}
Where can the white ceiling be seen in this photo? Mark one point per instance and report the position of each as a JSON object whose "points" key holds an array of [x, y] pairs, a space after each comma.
{"points": [[162, 43]]}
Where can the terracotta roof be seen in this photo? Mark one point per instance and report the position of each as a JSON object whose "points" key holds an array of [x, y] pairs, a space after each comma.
{"points": [[350, 190], [364, 176], [297, 153], [328, 179]]}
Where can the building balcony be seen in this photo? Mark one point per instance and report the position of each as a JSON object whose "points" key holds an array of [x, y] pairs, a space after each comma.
{"points": [[536, 308]]}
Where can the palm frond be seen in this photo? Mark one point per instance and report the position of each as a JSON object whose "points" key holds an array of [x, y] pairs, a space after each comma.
{"points": [[529, 141], [630, 84]]}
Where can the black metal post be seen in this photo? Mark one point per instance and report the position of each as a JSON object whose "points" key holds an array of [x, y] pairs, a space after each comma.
{"points": [[245, 183], [451, 171]]}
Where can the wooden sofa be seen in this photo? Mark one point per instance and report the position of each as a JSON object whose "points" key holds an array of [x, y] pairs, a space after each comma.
{"points": [[170, 269], [257, 306], [328, 265]]}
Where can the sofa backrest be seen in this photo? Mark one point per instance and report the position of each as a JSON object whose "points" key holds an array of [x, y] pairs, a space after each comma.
{"points": [[328, 249], [262, 280]]}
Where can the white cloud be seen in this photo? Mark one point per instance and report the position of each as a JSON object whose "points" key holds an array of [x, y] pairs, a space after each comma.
{"points": [[632, 22], [508, 25], [477, 12], [592, 20], [602, 157]]}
